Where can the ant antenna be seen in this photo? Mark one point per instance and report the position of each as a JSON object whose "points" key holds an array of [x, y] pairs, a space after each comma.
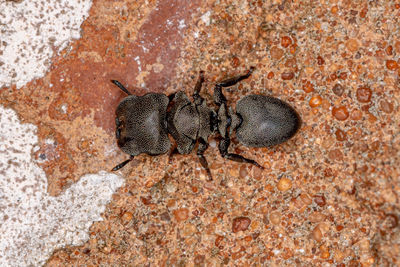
{"points": [[117, 83]]}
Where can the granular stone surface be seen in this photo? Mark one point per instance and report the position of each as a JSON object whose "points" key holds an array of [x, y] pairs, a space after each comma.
{"points": [[30, 31], [34, 224], [328, 197]]}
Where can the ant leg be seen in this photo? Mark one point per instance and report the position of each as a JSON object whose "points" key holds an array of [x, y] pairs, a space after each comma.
{"points": [[223, 149], [174, 151], [203, 161], [122, 164], [235, 80], [219, 98], [117, 83], [196, 95], [171, 97]]}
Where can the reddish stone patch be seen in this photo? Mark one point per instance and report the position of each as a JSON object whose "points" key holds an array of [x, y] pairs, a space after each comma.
{"points": [[83, 76], [78, 83], [159, 41]]}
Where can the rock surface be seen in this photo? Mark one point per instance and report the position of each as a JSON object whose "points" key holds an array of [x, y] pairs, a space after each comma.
{"points": [[328, 197]]}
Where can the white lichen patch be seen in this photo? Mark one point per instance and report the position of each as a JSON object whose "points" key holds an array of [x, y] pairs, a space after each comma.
{"points": [[30, 30], [33, 223]]}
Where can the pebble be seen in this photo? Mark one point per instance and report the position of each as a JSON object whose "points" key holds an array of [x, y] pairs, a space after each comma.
{"points": [[243, 171], [189, 230], [305, 198], [325, 254], [338, 89], [320, 60], [240, 224], [181, 214], [287, 75], [364, 94], [317, 234], [386, 106], [276, 53], [275, 217], [165, 216], [340, 113], [286, 41], [315, 101], [391, 65], [308, 87], [356, 114], [320, 200], [257, 173], [340, 135], [352, 45], [316, 216], [284, 184], [335, 154], [338, 256]]}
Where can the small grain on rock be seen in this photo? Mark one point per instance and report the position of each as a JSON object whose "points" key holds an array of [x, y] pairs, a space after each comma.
{"points": [[316, 234], [286, 41], [315, 101], [335, 155], [257, 173], [316, 216], [189, 229], [340, 135], [199, 260], [240, 224], [343, 76], [287, 75], [320, 60], [320, 200], [364, 94], [338, 89], [284, 184], [386, 106], [340, 113], [308, 87], [352, 45], [356, 114], [165, 216], [243, 171], [275, 217], [391, 64], [181, 214], [276, 53]]}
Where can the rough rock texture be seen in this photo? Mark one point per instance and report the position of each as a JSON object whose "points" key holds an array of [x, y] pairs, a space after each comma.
{"points": [[33, 224], [30, 31], [330, 196]]}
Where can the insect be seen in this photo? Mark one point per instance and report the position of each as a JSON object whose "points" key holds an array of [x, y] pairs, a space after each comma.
{"points": [[143, 123]]}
